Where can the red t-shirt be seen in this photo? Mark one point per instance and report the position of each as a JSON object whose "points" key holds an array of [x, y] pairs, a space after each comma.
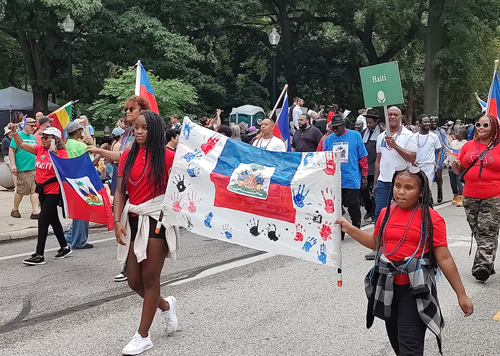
{"points": [[141, 190], [396, 227], [170, 158], [44, 170], [488, 186]]}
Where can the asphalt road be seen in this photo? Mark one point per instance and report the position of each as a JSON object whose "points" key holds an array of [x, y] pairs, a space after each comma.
{"points": [[231, 301]]}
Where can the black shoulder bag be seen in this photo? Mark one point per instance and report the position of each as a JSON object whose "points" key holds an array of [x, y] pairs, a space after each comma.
{"points": [[490, 147]]}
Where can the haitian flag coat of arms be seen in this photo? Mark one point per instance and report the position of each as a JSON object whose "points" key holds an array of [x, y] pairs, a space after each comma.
{"points": [[82, 190], [281, 202]]}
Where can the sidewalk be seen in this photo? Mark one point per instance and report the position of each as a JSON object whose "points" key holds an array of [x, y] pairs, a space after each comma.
{"points": [[12, 228]]}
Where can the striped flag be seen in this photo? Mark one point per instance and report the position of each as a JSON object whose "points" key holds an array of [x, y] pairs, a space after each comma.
{"points": [[481, 102], [282, 128], [493, 107], [143, 87], [62, 116], [22, 124]]}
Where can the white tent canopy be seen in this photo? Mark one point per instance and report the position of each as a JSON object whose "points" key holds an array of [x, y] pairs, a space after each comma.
{"points": [[250, 110], [16, 99]]}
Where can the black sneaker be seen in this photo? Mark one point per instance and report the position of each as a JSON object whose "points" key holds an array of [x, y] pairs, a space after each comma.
{"points": [[482, 275], [87, 245], [122, 276], [440, 196], [63, 252], [35, 260], [368, 215]]}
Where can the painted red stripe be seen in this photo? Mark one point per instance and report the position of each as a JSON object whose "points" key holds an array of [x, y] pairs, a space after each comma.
{"points": [[278, 205]]}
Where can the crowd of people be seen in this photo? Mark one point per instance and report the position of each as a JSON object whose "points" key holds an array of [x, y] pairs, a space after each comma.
{"points": [[380, 164]]}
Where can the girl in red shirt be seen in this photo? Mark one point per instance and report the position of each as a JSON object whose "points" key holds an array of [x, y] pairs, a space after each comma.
{"points": [[47, 188], [143, 174], [410, 242]]}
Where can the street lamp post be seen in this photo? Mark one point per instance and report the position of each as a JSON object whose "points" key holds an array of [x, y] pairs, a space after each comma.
{"points": [[274, 39], [68, 26]]}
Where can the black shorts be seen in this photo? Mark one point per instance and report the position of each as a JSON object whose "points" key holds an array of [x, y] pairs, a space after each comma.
{"points": [[134, 223]]}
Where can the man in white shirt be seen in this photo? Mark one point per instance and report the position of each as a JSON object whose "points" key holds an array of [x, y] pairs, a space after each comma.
{"points": [[267, 141], [297, 111], [428, 144]]}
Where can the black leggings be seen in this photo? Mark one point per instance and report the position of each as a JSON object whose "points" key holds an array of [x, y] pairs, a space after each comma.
{"points": [[49, 216], [405, 328]]}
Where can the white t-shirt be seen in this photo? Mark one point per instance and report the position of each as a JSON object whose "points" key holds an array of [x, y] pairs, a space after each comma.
{"points": [[297, 111], [390, 159], [426, 148], [270, 144]]}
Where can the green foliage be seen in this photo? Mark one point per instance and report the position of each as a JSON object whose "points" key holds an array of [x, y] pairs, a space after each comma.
{"points": [[172, 97]]}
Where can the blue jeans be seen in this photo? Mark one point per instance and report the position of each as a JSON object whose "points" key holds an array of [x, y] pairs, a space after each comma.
{"points": [[456, 185], [382, 190], [78, 234]]}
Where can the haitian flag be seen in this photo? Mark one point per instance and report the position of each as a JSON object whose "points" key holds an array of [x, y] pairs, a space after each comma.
{"points": [[281, 202], [84, 195], [143, 87], [481, 103], [282, 127], [494, 96]]}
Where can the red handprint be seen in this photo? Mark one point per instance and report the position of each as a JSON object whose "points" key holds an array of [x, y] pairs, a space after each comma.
{"points": [[325, 231], [299, 236], [176, 202], [330, 164], [210, 144], [329, 208], [192, 202]]}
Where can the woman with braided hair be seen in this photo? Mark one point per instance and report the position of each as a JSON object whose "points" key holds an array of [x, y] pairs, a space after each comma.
{"points": [[479, 164], [410, 244]]}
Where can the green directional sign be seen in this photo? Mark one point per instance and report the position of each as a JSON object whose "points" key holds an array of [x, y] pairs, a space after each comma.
{"points": [[381, 85]]}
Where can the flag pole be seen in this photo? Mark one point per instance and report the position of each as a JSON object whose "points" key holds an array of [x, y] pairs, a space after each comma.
{"points": [[491, 87], [138, 79], [278, 101]]}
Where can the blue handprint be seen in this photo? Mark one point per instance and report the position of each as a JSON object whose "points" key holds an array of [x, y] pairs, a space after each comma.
{"points": [[208, 219], [299, 198], [193, 171], [322, 254], [311, 241], [186, 131], [192, 155], [306, 158], [227, 231]]}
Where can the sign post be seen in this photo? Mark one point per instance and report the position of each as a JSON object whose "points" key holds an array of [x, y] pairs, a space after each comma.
{"points": [[382, 87]]}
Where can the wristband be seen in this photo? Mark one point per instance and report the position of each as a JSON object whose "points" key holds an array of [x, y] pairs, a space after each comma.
{"points": [[116, 221]]}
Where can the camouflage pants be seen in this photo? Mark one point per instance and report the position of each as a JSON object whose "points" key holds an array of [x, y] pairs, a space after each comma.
{"points": [[483, 216]]}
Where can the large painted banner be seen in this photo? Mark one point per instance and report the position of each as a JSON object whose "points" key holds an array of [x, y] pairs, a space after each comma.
{"points": [[281, 202]]}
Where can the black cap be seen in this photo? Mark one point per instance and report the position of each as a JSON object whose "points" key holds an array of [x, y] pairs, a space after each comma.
{"points": [[337, 120], [373, 113], [44, 119]]}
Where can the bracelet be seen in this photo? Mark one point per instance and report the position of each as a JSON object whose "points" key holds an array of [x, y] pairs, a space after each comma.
{"points": [[116, 221]]}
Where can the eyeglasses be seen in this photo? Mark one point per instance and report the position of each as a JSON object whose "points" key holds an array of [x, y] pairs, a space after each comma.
{"points": [[411, 169], [129, 109], [483, 124]]}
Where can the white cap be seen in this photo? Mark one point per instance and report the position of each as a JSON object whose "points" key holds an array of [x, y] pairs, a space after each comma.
{"points": [[52, 131]]}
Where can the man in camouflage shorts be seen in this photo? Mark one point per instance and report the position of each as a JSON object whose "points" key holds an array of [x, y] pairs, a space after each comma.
{"points": [[483, 216]]}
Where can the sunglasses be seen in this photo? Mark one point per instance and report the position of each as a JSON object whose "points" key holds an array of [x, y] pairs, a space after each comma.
{"points": [[484, 124], [46, 137], [129, 109], [411, 169]]}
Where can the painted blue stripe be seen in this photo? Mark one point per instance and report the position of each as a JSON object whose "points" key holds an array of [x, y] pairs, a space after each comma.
{"points": [[145, 81], [236, 152]]}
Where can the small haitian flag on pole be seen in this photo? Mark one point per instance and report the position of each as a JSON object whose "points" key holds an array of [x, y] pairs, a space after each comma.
{"points": [[143, 87], [84, 195]]}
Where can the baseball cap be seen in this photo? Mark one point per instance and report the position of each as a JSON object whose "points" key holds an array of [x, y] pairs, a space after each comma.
{"points": [[72, 127], [117, 131], [52, 131], [42, 120]]}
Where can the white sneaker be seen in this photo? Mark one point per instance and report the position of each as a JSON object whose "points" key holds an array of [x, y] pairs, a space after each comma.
{"points": [[170, 315], [137, 345]]}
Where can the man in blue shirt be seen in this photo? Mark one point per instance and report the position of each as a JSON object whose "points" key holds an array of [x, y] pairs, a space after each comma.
{"points": [[354, 164]]}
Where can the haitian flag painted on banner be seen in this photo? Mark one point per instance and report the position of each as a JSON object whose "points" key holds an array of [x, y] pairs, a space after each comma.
{"points": [[281, 202], [143, 87], [84, 195]]}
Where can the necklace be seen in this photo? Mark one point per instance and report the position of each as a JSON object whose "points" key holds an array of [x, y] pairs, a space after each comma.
{"points": [[143, 172], [401, 240], [262, 140], [418, 137]]}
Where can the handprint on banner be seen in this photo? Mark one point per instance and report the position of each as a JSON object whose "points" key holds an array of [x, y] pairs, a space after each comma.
{"points": [[227, 231], [176, 202], [322, 254], [325, 231], [188, 222], [330, 163], [192, 155], [316, 217], [193, 171], [307, 157], [311, 241], [299, 198], [271, 232], [299, 234], [329, 207], [208, 220], [254, 227], [186, 131], [179, 182], [192, 202], [210, 144]]}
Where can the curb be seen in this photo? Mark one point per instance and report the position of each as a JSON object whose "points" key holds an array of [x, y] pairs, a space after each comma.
{"points": [[33, 232]]}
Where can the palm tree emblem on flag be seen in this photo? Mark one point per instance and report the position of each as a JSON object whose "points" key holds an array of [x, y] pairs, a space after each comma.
{"points": [[86, 191]]}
